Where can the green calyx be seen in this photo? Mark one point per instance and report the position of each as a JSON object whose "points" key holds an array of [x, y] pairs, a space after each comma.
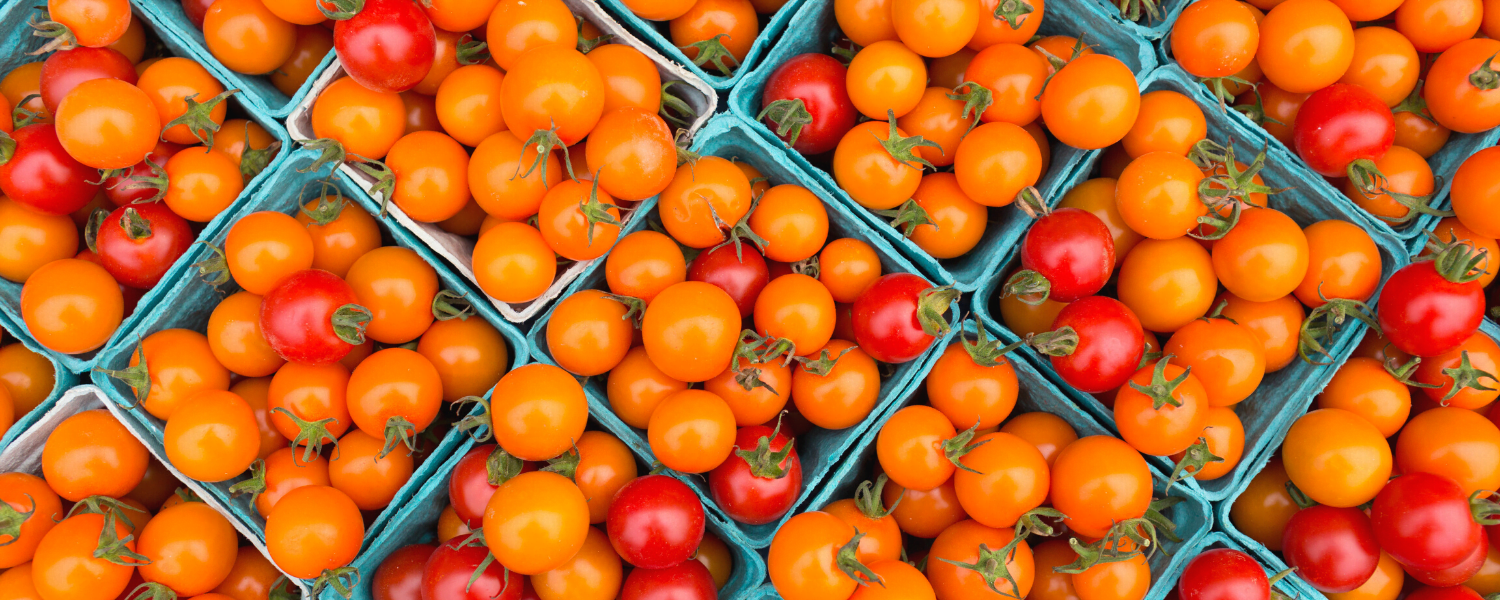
{"points": [[350, 322], [1457, 260], [213, 270], [870, 502], [7, 147], [384, 187], [1484, 77], [198, 118], [342, 10], [1160, 389], [586, 45], [754, 349], [1256, 111], [983, 351], [545, 141], [311, 435], [23, 116], [12, 519], [597, 214], [808, 266], [738, 233], [908, 217], [1323, 322], [565, 464], [1482, 507], [956, 447], [135, 226], [255, 485], [904, 148], [932, 308], [91, 229], [712, 51], [1403, 373], [1060, 342], [151, 591], [502, 466], [331, 152], [1193, 460], [848, 562], [399, 430], [1143, 533], [1466, 377], [157, 180], [788, 116], [448, 305], [1058, 63], [342, 580], [327, 209], [255, 160], [635, 308], [1028, 286], [472, 52], [674, 110], [1415, 103], [976, 98], [137, 377], [993, 565], [58, 36], [765, 463], [1013, 12], [1298, 496], [1219, 87], [477, 423], [282, 589], [823, 364], [115, 549], [1133, 10]]}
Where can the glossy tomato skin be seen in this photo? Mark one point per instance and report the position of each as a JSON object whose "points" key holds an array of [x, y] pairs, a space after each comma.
{"points": [[42, 175], [1458, 573], [1456, 592], [741, 276], [1223, 574], [140, 263], [399, 576], [1073, 249], [388, 47], [115, 187], [1110, 344], [1424, 314], [655, 522], [65, 69], [1340, 124], [1334, 549], [687, 581], [885, 318], [297, 317], [750, 499], [819, 81], [1423, 521], [469, 488], [448, 571]]}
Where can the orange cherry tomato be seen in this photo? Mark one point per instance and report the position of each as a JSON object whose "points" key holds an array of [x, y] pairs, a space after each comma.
{"points": [[91, 454], [882, 539], [1452, 442], [536, 522], [691, 431], [303, 395], [636, 386], [286, 471], [395, 393], [1276, 322], [690, 331], [313, 529], [29, 240], [848, 266], [251, 577], [365, 121], [963, 543], [1419, 133], [695, 187], [958, 222], [255, 391], [1008, 28], [469, 354], [644, 263], [1305, 45], [108, 124], [1385, 63], [71, 306], [539, 411], [247, 37], [588, 333], [239, 136], [513, 263], [262, 248], [1262, 510], [1224, 435], [1436, 25], [796, 308], [26, 494], [169, 83], [1092, 102], [938, 119], [972, 390], [65, 565], [468, 103], [632, 153], [838, 395], [792, 220], [432, 176], [1336, 457], [578, 220], [29, 376], [995, 162], [1481, 353], [214, 437], [605, 464], [1225, 356], [1363, 386], [1215, 38], [910, 448], [802, 561], [192, 548], [630, 79], [398, 287], [935, 27], [1475, 196], [1264, 257], [865, 21], [1157, 195], [1046, 431], [204, 183], [924, 514], [734, 20], [1167, 283], [1005, 478], [552, 88], [1168, 122], [886, 76], [180, 364], [341, 232], [594, 573], [360, 470], [1161, 424], [1407, 173], [1343, 262], [1098, 481]]}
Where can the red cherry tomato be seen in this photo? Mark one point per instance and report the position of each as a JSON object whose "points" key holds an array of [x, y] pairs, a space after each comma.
{"points": [[655, 522], [1340, 124], [742, 275], [757, 489], [892, 316], [1424, 312], [1072, 250], [139, 242], [806, 102], [311, 318], [687, 581], [1423, 521], [1110, 344], [388, 47], [118, 189], [1223, 574], [1333, 549], [1458, 573], [449, 573], [399, 576], [42, 175], [65, 69], [1456, 592]]}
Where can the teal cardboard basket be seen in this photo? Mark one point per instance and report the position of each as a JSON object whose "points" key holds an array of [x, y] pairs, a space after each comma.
{"points": [[14, 52], [1257, 463], [62, 380], [1147, 28], [814, 29], [1268, 412], [1444, 164], [819, 449], [416, 523], [1167, 582], [192, 300], [1193, 516], [186, 40], [656, 34]]}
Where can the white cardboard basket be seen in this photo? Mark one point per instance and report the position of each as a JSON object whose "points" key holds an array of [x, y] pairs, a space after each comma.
{"points": [[459, 250]]}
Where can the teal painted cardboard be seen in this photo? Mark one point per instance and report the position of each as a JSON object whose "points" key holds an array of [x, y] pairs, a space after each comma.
{"points": [[14, 52], [1444, 163], [1193, 516], [192, 300], [187, 40], [1257, 463], [1267, 412], [656, 34], [1164, 584], [62, 380], [1147, 28], [814, 29], [416, 523], [728, 136]]}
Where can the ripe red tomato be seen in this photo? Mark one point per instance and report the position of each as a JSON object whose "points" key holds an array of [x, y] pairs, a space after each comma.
{"points": [[1223, 574], [450, 572], [758, 484], [655, 522], [311, 317], [1110, 343], [1456, 574], [1341, 124], [1333, 549], [1456, 592], [687, 581], [806, 102], [65, 69], [399, 576], [897, 318], [1073, 252], [1423, 521], [42, 175], [134, 185], [388, 46], [139, 242], [740, 271], [1426, 311]]}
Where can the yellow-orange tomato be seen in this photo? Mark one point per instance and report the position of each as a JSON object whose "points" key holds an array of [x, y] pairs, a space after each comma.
{"points": [[1092, 102], [958, 222], [940, 120], [341, 232], [843, 395], [971, 394], [1157, 195], [432, 176], [247, 37], [865, 21], [761, 403], [1048, 432], [630, 79], [886, 76], [690, 330], [1305, 45], [193, 548], [29, 240], [1098, 481], [1385, 63], [636, 386], [468, 103], [1168, 122], [1005, 477], [1336, 457], [169, 83], [107, 124], [630, 152], [536, 522], [238, 136], [312, 43], [1152, 424], [1225, 357], [996, 161], [1167, 283], [1264, 257], [539, 411], [72, 306], [698, 192], [513, 263], [370, 478], [1363, 386], [204, 183], [365, 121], [588, 333], [1342, 262], [1276, 323], [27, 374], [796, 308], [643, 264], [179, 369], [1262, 510], [213, 437], [1406, 172], [507, 179], [1452, 442], [264, 247], [691, 431], [398, 288], [846, 267], [1224, 435], [469, 354], [793, 222]]}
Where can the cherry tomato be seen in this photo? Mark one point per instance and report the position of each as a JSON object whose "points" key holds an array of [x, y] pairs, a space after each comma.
{"points": [[1072, 250], [366, 121], [513, 263], [538, 411], [1305, 45], [1422, 520], [690, 331], [388, 46], [1166, 419], [1426, 312], [65, 69], [803, 561], [966, 542], [958, 222], [361, 469], [1168, 122], [1110, 343], [1453, 443], [893, 316], [248, 37], [451, 573], [399, 576], [1336, 457], [192, 548], [808, 87], [1098, 481], [132, 123], [1004, 477], [65, 565], [686, 581], [72, 306], [30, 496], [997, 161], [1223, 574], [1092, 102], [312, 317], [1333, 549], [636, 386], [204, 183], [1217, 38], [552, 88], [655, 522], [757, 484], [30, 240], [42, 176], [1339, 125], [691, 431], [740, 272], [630, 79]]}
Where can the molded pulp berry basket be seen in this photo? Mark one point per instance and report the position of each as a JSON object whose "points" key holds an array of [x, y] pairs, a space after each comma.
{"points": [[655, 33], [417, 519], [63, 380], [186, 40], [24, 454], [14, 52], [1147, 28], [1193, 516], [814, 29], [459, 250], [1291, 587], [1258, 462], [819, 449], [192, 300], [1269, 411], [1444, 164]]}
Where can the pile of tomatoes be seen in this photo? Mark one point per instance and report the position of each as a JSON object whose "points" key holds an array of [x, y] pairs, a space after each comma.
{"points": [[105, 520], [27, 379], [1364, 107], [961, 480], [538, 143], [283, 40], [717, 33], [110, 164]]}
